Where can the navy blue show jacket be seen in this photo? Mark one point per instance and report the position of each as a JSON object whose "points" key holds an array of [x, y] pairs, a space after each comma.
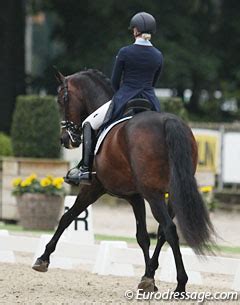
{"points": [[135, 72]]}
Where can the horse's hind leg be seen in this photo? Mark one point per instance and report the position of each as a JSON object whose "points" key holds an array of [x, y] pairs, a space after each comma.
{"points": [[161, 214], [138, 205], [87, 196], [142, 236], [161, 239]]}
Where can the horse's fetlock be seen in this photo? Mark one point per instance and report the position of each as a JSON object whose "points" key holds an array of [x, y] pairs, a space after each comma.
{"points": [[182, 279], [153, 265], [50, 247]]}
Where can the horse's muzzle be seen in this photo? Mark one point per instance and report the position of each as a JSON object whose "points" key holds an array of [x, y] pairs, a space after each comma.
{"points": [[67, 142]]}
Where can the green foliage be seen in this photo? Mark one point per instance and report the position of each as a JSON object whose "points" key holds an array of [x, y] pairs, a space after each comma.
{"points": [[5, 145], [12, 58], [210, 201], [210, 111], [199, 40], [174, 105], [35, 127]]}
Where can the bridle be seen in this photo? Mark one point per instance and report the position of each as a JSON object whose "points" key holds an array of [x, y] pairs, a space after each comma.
{"points": [[73, 130]]}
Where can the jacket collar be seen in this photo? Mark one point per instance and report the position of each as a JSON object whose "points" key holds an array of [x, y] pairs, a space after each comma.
{"points": [[142, 42]]}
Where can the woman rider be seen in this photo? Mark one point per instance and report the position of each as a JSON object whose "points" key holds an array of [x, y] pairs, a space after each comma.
{"points": [[136, 70]]}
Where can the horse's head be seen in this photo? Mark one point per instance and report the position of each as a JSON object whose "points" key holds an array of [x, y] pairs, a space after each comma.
{"points": [[73, 110], [79, 95]]}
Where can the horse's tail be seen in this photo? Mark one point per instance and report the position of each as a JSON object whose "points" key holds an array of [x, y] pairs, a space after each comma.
{"points": [[188, 205]]}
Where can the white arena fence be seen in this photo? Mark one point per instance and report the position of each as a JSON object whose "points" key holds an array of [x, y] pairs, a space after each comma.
{"points": [[113, 257], [76, 246]]}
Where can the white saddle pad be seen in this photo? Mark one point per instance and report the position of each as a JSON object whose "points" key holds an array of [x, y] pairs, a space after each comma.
{"points": [[106, 131]]}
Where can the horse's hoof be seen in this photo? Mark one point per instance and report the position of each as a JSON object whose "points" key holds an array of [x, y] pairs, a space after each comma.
{"points": [[40, 265], [181, 292], [147, 285], [181, 288], [181, 295]]}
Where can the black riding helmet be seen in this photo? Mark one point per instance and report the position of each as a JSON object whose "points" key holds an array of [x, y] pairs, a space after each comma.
{"points": [[144, 22]]}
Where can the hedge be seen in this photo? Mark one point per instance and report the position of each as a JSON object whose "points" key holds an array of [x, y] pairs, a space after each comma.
{"points": [[174, 105], [5, 145], [35, 127]]}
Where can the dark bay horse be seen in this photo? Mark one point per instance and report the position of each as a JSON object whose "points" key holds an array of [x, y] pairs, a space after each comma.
{"points": [[143, 158]]}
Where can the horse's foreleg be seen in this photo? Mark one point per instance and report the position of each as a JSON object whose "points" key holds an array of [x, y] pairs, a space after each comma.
{"points": [[161, 214], [87, 196]]}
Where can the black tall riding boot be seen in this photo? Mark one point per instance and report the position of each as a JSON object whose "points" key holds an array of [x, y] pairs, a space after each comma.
{"points": [[82, 173]]}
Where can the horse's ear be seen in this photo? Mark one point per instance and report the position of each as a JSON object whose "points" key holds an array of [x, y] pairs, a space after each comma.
{"points": [[59, 76]]}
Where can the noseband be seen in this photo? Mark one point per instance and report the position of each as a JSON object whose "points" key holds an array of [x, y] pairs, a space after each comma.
{"points": [[74, 130]]}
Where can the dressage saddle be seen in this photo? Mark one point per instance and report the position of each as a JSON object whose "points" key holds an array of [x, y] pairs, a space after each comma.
{"points": [[137, 105]]}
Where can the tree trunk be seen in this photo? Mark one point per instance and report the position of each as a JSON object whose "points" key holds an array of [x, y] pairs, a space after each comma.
{"points": [[193, 105], [180, 92], [12, 64]]}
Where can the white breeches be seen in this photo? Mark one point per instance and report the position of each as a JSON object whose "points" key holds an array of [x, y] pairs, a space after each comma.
{"points": [[97, 117]]}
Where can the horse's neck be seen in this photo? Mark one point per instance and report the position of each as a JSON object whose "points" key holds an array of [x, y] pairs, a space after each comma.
{"points": [[96, 91], [100, 104], [96, 100]]}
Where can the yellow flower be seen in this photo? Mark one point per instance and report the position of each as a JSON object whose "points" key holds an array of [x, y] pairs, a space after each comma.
{"points": [[50, 177], [23, 184], [57, 182], [45, 182], [58, 186], [32, 177], [26, 182], [16, 181]]}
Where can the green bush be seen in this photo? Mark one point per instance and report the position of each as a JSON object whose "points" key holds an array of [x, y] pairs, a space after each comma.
{"points": [[35, 127], [5, 145], [174, 105]]}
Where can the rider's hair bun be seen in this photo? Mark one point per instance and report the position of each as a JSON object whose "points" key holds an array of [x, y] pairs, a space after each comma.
{"points": [[146, 36]]}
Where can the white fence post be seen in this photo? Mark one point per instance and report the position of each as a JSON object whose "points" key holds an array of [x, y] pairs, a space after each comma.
{"points": [[6, 256], [104, 264], [56, 261], [81, 229], [236, 281], [168, 270]]}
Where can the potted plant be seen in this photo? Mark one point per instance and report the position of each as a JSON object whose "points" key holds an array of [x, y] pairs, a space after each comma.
{"points": [[39, 201]]}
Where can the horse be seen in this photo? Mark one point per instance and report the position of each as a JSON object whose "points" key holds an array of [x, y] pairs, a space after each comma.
{"points": [[140, 159]]}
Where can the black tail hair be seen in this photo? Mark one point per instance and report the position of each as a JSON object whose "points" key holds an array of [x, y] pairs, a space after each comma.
{"points": [[188, 205]]}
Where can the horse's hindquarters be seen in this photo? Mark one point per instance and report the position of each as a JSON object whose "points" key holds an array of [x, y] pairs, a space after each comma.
{"points": [[134, 157]]}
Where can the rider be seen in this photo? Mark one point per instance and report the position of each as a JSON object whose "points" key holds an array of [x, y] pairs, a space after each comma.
{"points": [[136, 70]]}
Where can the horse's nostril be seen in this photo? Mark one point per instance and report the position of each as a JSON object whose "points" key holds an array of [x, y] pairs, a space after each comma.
{"points": [[64, 140]]}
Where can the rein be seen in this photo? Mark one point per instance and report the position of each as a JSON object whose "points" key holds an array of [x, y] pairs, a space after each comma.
{"points": [[74, 130]]}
